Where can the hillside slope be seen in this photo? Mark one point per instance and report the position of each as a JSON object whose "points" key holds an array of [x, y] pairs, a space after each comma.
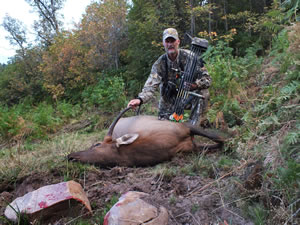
{"points": [[253, 180]]}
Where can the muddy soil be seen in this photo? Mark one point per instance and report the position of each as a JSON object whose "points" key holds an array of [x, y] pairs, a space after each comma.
{"points": [[178, 193]]}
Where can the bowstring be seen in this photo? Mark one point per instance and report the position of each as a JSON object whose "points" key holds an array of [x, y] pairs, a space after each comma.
{"points": [[187, 76]]}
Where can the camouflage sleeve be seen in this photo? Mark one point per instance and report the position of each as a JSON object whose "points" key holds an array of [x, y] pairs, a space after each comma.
{"points": [[152, 83], [204, 81]]}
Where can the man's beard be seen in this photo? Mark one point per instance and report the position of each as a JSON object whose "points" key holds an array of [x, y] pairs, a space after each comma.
{"points": [[171, 51]]}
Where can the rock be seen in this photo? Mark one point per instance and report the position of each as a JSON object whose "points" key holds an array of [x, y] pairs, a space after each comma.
{"points": [[49, 202], [131, 209], [5, 197]]}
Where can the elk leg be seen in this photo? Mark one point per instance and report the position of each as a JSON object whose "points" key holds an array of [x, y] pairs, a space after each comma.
{"points": [[205, 133]]}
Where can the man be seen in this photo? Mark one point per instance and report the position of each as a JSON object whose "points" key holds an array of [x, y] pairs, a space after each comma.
{"points": [[165, 73]]}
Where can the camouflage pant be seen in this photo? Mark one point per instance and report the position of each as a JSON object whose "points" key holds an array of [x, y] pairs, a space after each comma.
{"points": [[195, 104]]}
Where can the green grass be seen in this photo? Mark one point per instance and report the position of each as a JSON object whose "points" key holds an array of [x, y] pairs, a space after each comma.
{"points": [[42, 157]]}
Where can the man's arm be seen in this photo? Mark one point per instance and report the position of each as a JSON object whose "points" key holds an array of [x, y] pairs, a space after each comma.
{"points": [[150, 86]]}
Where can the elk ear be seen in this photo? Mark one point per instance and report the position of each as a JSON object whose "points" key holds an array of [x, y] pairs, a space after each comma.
{"points": [[126, 139]]}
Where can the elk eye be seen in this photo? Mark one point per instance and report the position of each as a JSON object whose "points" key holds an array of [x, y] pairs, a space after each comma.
{"points": [[97, 144]]}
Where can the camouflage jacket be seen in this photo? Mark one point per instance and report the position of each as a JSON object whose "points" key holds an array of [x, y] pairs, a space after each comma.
{"points": [[162, 67]]}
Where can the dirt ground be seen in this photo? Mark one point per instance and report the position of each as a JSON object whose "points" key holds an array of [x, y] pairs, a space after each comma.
{"points": [[179, 193]]}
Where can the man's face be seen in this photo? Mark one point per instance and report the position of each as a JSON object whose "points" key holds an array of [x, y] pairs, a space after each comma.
{"points": [[171, 45]]}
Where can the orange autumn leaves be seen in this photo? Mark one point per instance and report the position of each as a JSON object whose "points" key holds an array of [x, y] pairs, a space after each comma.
{"points": [[74, 59]]}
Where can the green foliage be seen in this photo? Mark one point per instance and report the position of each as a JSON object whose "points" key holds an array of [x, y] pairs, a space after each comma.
{"points": [[233, 113], [287, 179], [228, 74], [74, 170], [280, 44], [44, 120], [10, 123], [293, 137], [225, 162], [108, 94], [289, 176], [258, 213], [172, 200], [198, 165], [67, 110], [291, 90], [12, 119], [279, 51], [271, 125], [231, 109], [195, 208], [227, 70], [293, 74], [292, 9], [22, 78], [219, 68], [114, 199], [27, 121], [43, 115]]}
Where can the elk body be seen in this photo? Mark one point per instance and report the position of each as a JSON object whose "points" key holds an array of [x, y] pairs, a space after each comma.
{"points": [[143, 141]]}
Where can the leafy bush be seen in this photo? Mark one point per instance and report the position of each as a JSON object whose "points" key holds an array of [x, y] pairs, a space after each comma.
{"points": [[67, 110], [286, 183], [228, 75], [34, 122], [11, 123], [108, 94], [43, 120]]}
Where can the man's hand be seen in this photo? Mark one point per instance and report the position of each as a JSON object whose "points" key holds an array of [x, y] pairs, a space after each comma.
{"points": [[134, 103], [189, 86]]}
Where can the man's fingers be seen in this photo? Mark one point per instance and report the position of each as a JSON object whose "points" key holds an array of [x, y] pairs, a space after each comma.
{"points": [[131, 105], [134, 103]]}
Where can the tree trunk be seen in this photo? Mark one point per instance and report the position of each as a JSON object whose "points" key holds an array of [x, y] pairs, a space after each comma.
{"points": [[209, 19], [192, 18], [225, 14]]}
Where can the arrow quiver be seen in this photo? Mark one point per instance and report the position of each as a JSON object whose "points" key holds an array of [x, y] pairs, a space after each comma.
{"points": [[187, 76]]}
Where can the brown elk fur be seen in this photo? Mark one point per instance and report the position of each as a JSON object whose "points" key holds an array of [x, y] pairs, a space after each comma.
{"points": [[147, 141]]}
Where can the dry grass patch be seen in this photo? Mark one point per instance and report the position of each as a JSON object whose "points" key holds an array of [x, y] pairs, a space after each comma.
{"points": [[20, 161]]}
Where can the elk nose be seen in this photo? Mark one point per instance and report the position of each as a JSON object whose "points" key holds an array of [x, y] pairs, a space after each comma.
{"points": [[73, 157]]}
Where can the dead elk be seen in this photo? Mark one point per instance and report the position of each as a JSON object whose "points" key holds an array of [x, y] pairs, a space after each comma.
{"points": [[143, 141]]}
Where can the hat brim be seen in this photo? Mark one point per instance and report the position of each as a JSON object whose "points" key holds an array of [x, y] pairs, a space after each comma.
{"points": [[172, 36]]}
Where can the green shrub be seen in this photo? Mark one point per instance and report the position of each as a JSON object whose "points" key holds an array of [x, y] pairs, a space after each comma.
{"points": [[287, 180], [43, 115], [43, 120], [258, 214], [108, 94], [25, 120], [11, 123], [67, 110]]}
